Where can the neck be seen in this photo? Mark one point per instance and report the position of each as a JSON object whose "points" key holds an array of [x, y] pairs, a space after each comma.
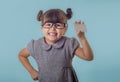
{"points": [[49, 42]]}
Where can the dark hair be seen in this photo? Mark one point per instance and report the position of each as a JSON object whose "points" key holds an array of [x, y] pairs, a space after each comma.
{"points": [[55, 15]]}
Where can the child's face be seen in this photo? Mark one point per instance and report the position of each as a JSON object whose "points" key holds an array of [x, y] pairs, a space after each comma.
{"points": [[53, 31]]}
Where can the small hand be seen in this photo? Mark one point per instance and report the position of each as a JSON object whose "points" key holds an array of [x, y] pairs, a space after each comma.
{"points": [[34, 75], [79, 25], [80, 28]]}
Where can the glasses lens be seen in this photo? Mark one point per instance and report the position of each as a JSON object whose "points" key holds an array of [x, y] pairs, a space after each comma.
{"points": [[47, 25], [56, 25], [59, 25]]}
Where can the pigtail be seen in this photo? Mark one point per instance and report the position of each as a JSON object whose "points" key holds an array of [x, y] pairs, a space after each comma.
{"points": [[68, 13], [40, 15]]}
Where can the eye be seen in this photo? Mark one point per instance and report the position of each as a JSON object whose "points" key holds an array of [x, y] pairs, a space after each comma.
{"points": [[47, 24], [58, 24]]}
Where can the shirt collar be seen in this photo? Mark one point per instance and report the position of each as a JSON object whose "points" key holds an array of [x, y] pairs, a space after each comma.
{"points": [[58, 44]]}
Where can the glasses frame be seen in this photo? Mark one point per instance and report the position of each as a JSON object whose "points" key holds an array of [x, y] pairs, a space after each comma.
{"points": [[54, 24]]}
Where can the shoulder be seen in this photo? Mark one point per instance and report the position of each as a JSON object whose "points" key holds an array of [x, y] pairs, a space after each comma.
{"points": [[33, 42], [71, 45], [37, 40], [71, 39], [71, 42]]}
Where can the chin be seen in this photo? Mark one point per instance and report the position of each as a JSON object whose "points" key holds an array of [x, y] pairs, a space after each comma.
{"points": [[53, 40]]}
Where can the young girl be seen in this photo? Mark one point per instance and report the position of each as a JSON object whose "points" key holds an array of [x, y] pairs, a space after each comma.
{"points": [[54, 52]]}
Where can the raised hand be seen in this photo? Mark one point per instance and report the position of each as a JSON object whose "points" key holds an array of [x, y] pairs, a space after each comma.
{"points": [[80, 28]]}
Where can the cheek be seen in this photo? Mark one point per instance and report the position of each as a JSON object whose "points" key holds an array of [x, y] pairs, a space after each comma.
{"points": [[44, 31], [61, 32], [64, 31]]}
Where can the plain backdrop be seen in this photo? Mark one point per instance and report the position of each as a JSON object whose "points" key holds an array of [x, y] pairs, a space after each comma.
{"points": [[18, 25]]}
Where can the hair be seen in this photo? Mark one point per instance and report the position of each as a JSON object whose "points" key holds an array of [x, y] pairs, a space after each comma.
{"points": [[55, 15]]}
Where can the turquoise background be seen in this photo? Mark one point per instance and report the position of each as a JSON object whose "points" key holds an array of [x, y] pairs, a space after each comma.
{"points": [[18, 26]]}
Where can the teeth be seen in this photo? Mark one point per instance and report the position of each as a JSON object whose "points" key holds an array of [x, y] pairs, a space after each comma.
{"points": [[52, 34]]}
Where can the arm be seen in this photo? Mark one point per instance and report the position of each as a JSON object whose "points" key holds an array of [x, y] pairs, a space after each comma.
{"points": [[84, 52], [23, 57]]}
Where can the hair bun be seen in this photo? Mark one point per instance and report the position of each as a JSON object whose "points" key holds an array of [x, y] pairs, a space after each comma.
{"points": [[40, 15], [69, 13]]}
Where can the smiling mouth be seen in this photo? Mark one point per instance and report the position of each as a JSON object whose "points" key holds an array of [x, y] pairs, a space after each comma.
{"points": [[52, 34]]}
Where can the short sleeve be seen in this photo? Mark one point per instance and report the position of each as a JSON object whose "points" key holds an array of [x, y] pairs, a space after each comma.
{"points": [[30, 47], [73, 46]]}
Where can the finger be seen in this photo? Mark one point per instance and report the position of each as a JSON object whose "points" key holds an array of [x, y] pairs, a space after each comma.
{"points": [[75, 22], [35, 79], [83, 22], [79, 22], [78, 31]]}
